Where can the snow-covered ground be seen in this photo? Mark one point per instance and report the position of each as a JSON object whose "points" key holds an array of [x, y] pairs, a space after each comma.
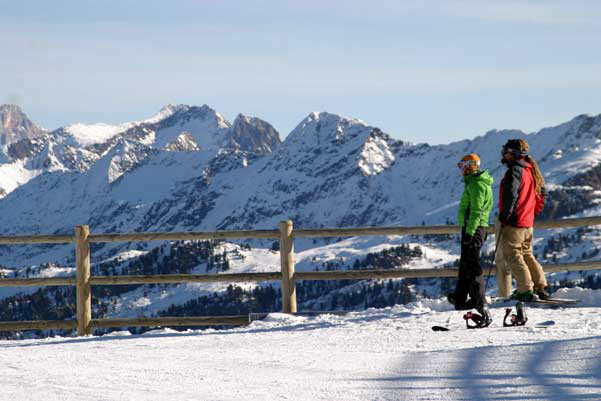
{"points": [[378, 354]]}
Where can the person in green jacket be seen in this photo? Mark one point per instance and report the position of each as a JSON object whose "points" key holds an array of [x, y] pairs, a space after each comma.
{"points": [[474, 210]]}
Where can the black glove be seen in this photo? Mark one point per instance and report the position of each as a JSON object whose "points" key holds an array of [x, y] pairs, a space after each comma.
{"points": [[467, 239]]}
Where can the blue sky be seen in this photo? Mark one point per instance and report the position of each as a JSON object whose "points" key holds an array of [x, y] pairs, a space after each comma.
{"points": [[424, 71]]}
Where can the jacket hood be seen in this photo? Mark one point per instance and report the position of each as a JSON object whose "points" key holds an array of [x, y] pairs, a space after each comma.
{"points": [[518, 162], [481, 176]]}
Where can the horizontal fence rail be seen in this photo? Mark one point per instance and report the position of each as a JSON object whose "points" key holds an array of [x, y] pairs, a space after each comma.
{"points": [[288, 276], [275, 276], [429, 230], [134, 322], [173, 321], [37, 239], [37, 281], [426, 273], [39, 325]]}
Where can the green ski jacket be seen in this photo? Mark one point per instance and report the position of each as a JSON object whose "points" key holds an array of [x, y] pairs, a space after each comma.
{"points": [[476, 201]]}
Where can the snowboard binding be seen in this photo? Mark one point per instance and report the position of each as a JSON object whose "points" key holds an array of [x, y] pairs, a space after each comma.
{"points": [[517, 319], [479, 322]]}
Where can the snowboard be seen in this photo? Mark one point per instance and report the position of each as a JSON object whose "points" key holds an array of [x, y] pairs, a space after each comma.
{"points": [[540, 325], [550, 301]]}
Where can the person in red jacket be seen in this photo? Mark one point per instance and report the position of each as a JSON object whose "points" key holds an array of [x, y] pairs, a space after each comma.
{"points": [[521, 198]]}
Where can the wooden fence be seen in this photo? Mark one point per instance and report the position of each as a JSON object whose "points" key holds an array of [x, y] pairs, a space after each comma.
{"points": [[287, 275]]}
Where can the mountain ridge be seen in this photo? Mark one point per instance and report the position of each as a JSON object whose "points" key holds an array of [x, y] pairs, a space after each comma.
{"points": [[331, 171], [190, 170], [64, 149]]}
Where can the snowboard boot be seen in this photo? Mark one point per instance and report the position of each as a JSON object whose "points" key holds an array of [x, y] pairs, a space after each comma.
{"points": [[453, 301], [525, 296], [543, 294]]}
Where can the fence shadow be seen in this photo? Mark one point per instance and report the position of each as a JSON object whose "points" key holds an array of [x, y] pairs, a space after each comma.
{"points": [[557, 370]]}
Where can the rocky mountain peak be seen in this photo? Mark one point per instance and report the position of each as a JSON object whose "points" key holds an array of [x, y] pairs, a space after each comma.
{"points": [[183, 114], [15, 125], [170, 109], [588, 124], [207, 127], [254, 135], [323, 129]]}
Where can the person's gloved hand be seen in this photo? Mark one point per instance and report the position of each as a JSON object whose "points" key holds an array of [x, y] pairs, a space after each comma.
{"points": [[467, 239]]}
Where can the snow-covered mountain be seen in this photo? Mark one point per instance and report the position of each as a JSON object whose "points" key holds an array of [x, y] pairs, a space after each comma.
{"points": [[76, 148], [189, 169]]}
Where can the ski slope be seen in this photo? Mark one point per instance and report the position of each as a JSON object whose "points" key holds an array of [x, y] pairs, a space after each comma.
{"points": [[377, 354]]}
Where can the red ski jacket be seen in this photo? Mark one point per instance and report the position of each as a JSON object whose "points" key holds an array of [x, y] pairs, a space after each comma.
{"points": [[518, 201]]}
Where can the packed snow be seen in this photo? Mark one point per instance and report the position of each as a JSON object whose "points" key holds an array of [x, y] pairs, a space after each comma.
{"points": [[377, 354]]}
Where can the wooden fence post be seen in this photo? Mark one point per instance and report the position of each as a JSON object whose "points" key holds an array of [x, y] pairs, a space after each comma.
{"points": [[84, 291], [287, 263]]}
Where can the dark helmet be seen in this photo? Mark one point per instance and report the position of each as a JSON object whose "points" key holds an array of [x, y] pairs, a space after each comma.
{"points": [[517, 147]]}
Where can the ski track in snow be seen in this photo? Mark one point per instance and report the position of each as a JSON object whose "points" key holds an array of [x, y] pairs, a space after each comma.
{"points": [[377, 354]]}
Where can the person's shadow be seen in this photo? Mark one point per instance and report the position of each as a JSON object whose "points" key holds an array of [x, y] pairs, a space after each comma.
{"points": [[552, 370]]}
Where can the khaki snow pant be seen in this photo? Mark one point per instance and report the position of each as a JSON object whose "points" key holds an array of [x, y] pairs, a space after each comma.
{"points": [[503, 268], [516, 245]]}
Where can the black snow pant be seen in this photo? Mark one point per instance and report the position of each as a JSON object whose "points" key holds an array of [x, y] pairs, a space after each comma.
{"points": [[471, 280]]}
